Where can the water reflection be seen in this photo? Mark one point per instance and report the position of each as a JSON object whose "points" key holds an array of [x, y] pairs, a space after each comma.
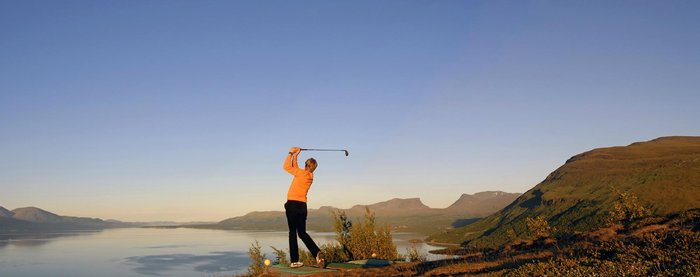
{"points": [[170, 246], [37, 239], [159, 265]]}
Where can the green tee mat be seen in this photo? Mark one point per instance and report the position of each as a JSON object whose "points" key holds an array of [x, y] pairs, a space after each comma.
{"points": [[343, 266], [300, 270], [371, 263]]}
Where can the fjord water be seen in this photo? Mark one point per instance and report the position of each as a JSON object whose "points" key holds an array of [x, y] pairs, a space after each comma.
{"points": [[146, 252]]}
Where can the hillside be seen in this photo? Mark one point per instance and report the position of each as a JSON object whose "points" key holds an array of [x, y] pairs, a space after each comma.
{"points": [[409, 215], [664, 173], [33, 214], [32, 219], [4, 213]]}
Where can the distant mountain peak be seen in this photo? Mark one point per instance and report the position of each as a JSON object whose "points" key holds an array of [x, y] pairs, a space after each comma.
{"points": [[33, 219], [396, 204], [490, 193], [34, 214], [404, 201], [482, 202], [6, 213], [483, 195]]}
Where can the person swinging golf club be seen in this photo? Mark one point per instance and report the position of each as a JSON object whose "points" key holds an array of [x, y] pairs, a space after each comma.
{"points": [[295, 208]]}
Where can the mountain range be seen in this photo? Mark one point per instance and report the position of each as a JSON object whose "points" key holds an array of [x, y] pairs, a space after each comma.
{"points": [[409, 215], [32, 219], [664, 174], [404, 214]]}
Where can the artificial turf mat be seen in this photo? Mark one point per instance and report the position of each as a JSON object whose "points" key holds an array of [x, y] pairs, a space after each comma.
{"points": [[301, 270]]}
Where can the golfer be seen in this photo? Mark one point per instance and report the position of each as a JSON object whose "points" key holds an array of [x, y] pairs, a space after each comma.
{"points": [[295, 208]]}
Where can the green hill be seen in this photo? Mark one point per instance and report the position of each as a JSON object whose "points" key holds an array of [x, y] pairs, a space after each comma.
{"points": [[663, 173]]}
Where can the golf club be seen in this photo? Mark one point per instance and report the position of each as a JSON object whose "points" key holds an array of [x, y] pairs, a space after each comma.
{"points": [[306, 149]]}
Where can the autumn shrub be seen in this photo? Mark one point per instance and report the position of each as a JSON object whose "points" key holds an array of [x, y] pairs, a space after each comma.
{"points": [[280, 256], [362, 239], [333, 252], [626, 209], [342, 226], [257, 260], [306, 257], [414, 255], [538, 227]]}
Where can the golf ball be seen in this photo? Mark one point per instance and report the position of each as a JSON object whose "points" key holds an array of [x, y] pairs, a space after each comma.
{"points": [[267, 262]]}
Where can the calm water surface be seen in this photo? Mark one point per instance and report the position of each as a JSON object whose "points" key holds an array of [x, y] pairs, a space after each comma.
{"points": [[146, 252]]}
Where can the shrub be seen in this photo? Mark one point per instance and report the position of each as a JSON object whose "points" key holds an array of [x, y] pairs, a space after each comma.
{"points": [[538, 227], [280, 256], [361, 240], [413, 255], [342, 226], [626, 209], [511, 235], [334, 252], [257, 260], [306, 258]]}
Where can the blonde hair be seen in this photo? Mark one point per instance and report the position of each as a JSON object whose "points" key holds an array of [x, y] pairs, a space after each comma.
{"points": [[310, 165]]}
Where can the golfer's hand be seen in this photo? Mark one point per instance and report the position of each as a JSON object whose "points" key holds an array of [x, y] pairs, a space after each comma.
{"points": [[295, 150]]}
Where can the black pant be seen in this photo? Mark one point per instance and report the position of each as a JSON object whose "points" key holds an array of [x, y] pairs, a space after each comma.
{"points": [[296, 220]]}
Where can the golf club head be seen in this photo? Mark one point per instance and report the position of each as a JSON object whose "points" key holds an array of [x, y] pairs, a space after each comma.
{"points": [[346, 153]]}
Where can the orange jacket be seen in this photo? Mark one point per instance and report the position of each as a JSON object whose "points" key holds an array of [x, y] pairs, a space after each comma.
{"points": [[302, 179]]}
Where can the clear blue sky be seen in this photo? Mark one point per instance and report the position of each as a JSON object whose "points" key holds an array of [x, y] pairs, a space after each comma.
{"points": [[185, 110]]}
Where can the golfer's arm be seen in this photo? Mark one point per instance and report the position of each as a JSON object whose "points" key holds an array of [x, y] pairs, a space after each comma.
{"points": [[290, 163]]}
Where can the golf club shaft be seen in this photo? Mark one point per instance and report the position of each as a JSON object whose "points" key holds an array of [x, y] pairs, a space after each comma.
{"points": [[309, 149]]}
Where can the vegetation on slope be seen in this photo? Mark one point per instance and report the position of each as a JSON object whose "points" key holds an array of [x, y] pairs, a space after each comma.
{"points": [[663, 173], [648, 246]]}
